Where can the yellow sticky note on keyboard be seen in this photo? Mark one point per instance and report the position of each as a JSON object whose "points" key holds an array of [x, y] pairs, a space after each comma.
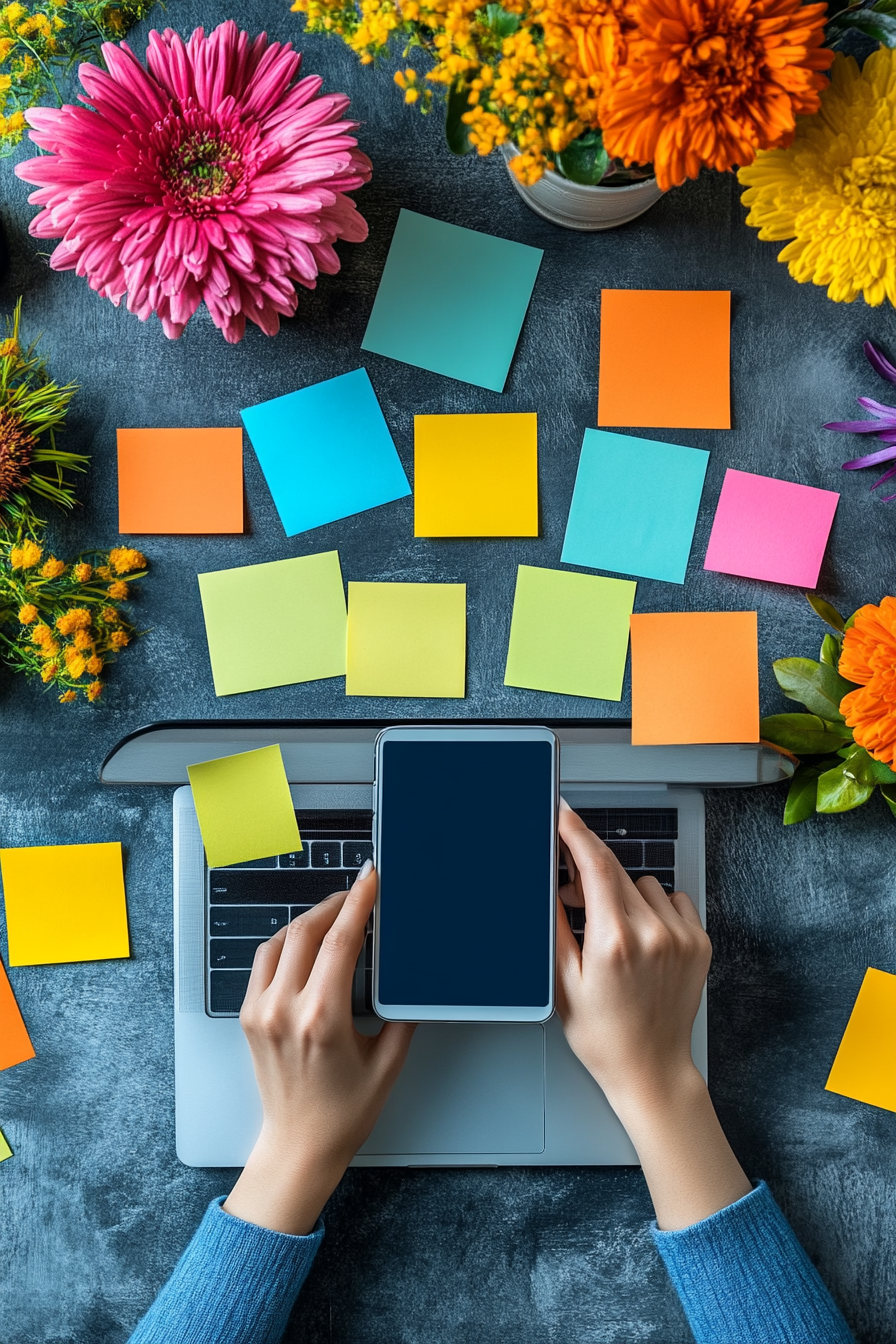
{"points": [[65, 903], [407, 639], [244, 807], [865, 1065]]}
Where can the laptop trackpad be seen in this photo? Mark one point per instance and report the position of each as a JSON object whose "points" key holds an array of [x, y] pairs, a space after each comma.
{"points": [[467, 1089]]}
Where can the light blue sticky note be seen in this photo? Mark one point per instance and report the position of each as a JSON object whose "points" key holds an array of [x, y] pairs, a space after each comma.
{"points": [[326, 452], [634, 507], [452, 300]]}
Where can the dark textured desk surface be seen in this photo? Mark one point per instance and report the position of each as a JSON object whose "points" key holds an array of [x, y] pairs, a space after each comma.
{"points": [[96, 1206]]}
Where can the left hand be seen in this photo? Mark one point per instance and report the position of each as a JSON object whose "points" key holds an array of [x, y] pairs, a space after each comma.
{"points": [[322, 1083]]}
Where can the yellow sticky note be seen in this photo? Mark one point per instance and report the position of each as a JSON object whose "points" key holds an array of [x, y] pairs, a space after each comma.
{"points": [[865, 1064], [65, 903], [5, 1150], [476, 475], [407, 639], [244, 807]]}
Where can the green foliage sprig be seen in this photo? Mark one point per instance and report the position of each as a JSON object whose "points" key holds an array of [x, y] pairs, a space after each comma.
{"points": [[833, 773]]}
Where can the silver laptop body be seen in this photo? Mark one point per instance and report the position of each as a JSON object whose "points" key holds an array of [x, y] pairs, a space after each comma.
{"points": [[469, 1095]]}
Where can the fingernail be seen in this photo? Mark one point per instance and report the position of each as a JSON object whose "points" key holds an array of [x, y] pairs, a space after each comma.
{"points": [[564, 805], [365, 869]]}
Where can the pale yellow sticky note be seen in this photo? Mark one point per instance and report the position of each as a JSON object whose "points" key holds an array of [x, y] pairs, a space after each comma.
{"points": [[244, 807], [65, 903], [407, 639], [476, 475], [5, 1150], [864, 1067]]}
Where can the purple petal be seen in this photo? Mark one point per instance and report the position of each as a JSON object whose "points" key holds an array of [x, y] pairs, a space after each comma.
{"points": [[855, 426], [877, 409], [871, 459], [886, 476], [885, 499], [879, 363]]}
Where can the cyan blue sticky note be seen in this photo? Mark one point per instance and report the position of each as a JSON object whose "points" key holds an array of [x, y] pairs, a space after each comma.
{"points": [[634, 507], [326, 452], [452, 300]]}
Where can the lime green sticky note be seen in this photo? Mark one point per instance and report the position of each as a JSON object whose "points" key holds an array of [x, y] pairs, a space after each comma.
{"points": [[407, 639], [5, 1150], [275, 624], [244, 807], [569, 632]]}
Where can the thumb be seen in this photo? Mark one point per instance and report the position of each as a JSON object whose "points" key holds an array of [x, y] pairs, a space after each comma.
{"points": [[390, 1049]]}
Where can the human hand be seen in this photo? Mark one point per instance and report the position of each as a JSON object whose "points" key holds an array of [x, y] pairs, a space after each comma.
{"points": [[322, 1083], [628, 1001]]}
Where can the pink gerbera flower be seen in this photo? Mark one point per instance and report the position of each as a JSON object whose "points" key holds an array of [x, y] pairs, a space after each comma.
{"points": [[206, 177]]}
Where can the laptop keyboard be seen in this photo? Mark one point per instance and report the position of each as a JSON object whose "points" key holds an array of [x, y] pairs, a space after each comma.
{"points": [[247, 904]]}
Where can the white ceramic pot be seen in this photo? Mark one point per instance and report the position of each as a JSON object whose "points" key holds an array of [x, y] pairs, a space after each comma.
{"points": [[575, 206]]}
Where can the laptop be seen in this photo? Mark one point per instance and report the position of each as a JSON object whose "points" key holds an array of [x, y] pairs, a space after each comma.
{"points": [[470, 1094]]}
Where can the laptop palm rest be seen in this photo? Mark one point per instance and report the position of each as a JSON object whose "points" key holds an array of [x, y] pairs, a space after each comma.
{"points": [[468, 1088]]}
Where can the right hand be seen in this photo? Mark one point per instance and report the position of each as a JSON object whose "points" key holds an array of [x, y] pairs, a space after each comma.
{"points": [[628, 1000]]}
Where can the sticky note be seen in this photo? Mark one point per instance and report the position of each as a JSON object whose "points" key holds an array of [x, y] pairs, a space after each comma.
{"points": [[244, 807], [695, 677], [276, 623], [15, 1043], [452, 300], [407, 639], [65, 903], [569, 632], [180, 480], [326, 452], [665, 357], [770, 529], [634, 507], [476, 475], [864, 1067], [5, 1150]]}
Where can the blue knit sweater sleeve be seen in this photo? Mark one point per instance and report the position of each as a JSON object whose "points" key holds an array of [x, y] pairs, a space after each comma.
{"points": [[743, 1278], [234, 1284]]}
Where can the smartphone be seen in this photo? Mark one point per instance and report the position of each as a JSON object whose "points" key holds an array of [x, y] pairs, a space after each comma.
{"points": [[465, 845]]}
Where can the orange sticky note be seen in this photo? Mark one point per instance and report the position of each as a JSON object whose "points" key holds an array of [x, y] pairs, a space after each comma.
{"points": [[180, 480], [15, 1043], [695, 677], [665, 358], [864, 1067]]}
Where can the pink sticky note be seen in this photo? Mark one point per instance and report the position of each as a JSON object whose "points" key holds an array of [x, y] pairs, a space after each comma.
{"points": [[768, 529]]}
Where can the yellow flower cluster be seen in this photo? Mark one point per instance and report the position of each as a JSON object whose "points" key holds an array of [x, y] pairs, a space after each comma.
{"points": [[530, 72]]}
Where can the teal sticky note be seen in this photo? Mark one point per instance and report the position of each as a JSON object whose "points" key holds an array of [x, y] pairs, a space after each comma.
{"points": [[452, 300], [634, 507], [326, 452]]}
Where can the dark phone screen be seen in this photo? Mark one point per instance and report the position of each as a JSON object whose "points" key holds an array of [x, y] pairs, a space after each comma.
{"points": [[465, 873]]}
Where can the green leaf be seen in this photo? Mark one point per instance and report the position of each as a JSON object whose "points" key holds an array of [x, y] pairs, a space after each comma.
{"points": [[889, 797], [456, 135], [502, 23], [865, 769], [830, 651], [801, 795], [584, 159], [840, 791], [819, 687], [879, 27], [828, 614], [804, 734]]}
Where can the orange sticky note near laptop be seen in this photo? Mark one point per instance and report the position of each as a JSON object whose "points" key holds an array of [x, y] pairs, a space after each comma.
{"points": [[180, 481], [665, 358], [695, 677], [865, 1064], [15, 1043]]}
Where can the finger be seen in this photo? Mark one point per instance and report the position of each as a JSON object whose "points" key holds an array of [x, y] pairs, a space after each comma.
{"points": [[569, 962], [655, 895], [390, 1048], [600, 876], [302, 943], [570, 861], [570, 895], [339, 950], [264, 966], [685, 907]]}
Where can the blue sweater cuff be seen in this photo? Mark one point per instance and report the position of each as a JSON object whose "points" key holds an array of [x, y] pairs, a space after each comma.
{"points": [[743, 1278], [235, 1281]]}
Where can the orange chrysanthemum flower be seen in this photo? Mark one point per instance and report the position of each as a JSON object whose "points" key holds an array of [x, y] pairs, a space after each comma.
{"points": [[709, 82], [869, 658]]}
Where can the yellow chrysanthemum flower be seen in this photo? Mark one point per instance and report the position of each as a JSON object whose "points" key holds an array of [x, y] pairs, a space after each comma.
{"points": [[76, 618], [94, 691], [53, 568], [67, 697], [83, 572], [834, 190], [124, 559], [28, 614]]}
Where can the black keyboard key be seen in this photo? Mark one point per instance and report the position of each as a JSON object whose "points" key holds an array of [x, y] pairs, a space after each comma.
{"points": [[300, 858], [296, 910], [356, 852], [226, 921], [630, 823], [232, 954], [576, 916], [326, 854], [665, 877], [630, 853], [256, 863], [659, 854], [295, 886], [227, 991]]}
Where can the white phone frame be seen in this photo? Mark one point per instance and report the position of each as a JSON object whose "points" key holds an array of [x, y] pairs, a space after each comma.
{"points": [[474, 733]]}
